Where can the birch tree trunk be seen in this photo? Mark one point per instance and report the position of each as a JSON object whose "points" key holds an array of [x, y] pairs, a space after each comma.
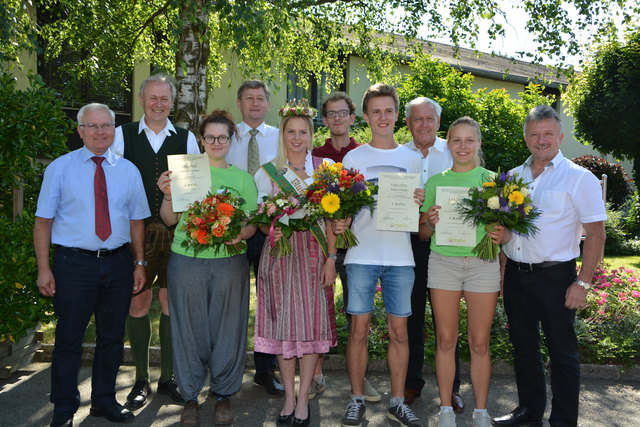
{"points": [[192, 59]]}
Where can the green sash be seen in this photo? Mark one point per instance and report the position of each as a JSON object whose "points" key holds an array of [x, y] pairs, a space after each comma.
{"points": [[290, 182]]}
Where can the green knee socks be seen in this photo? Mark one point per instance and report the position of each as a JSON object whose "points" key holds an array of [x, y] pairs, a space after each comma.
{"points": [[139, 332], [166, 351]]}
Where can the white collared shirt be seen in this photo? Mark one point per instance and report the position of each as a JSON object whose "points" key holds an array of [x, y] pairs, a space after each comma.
{"points": [[436, 161], [569, 196], [267, 138], [155, 139]]}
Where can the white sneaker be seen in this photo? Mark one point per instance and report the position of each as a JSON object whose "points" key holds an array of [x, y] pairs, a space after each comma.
{"points": [[317, 387], [481, 420], [447, 420], [370, 393]]}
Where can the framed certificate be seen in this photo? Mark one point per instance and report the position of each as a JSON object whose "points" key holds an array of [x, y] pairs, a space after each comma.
{"points": [[451, 230], [190, 179], [397, 208]]}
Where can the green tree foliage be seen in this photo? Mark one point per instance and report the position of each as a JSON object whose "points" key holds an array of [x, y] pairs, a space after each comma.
{"points": [[500, 116], [196, 39], [16, 31], [618, 185], [605, 99]]}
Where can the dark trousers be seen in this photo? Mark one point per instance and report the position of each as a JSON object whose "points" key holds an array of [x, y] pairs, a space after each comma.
{"points": [[415, 322], [341, 269], [537, 298], [85, 286], [264, 362]]}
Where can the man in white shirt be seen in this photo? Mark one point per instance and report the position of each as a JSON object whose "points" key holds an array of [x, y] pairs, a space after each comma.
{"points": [[255, 145], [383, 256], [540, 282], [146, 144], [423, 121]]}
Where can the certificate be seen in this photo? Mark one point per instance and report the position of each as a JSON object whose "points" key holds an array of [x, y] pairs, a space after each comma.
{"points": [[451, 230], [190, 179], [397, 208]]}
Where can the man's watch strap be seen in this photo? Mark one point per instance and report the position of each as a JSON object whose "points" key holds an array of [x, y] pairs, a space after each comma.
{"points": [[583, 284]]}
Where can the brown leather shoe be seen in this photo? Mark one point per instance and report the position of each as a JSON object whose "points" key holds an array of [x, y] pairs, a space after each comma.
{"points": [[190, 416], [457, 403], [223, 413], [410, 394]]}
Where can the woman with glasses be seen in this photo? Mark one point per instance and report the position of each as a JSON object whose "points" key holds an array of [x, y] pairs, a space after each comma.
{"points": [[209, 291]]}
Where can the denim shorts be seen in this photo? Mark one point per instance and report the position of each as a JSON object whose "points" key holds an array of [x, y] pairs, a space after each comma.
{"points": [[462, 273], [396, 283]]}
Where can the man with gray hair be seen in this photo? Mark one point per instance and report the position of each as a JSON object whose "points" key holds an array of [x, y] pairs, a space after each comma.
{"points": [[541, 287], [147, 144], [422, 117], [92, 209]]}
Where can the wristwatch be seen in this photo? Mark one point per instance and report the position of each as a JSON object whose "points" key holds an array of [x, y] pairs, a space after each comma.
{"points": [[140, 262], [332, 256], [585, 285]]}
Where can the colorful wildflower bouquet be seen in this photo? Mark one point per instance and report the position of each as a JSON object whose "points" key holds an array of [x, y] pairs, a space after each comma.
{"points": [[284, 210], [338, 193], [215, 220], [503, 199]]}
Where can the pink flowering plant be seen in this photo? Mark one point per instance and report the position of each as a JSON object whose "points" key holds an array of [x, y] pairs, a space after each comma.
{"points": [[609, 326], [283, 210]]}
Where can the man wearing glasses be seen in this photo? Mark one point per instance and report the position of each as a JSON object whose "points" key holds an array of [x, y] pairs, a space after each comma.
{"points": [[146, 144], [92, 209]]}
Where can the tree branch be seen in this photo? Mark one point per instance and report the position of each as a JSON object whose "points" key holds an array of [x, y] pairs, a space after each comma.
{"points": [[149, 21]]}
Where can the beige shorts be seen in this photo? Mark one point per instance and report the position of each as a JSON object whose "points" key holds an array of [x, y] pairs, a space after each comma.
{"points": [[457, 273]]}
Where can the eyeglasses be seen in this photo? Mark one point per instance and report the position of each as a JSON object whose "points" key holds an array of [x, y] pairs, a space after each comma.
{"points": [[334, 114], [222, 139], [94, 127]]}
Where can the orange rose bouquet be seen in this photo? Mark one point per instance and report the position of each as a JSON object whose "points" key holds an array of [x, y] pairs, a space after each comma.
{"points": [[211, 222]]}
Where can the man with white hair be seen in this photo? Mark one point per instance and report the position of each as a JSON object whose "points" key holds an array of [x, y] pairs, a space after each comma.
{"points": [[92, 209]]}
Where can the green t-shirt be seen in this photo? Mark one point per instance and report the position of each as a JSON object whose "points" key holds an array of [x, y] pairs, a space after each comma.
{"points": [[474, 178], [231, 177]]}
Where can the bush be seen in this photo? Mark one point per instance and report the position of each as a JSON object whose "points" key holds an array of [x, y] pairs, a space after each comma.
{"points": [[618, 183], [32, 125], [619, 242], [632, 223]]}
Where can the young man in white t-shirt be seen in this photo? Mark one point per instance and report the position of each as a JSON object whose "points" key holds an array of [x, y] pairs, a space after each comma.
{"points": [[383, 256]]}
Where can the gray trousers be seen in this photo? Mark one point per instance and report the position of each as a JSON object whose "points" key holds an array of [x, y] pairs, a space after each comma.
{"points": [[209, 307]]}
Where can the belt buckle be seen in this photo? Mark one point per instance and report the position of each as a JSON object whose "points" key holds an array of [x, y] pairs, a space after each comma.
{"points": [[525, 267], [100, 251]]}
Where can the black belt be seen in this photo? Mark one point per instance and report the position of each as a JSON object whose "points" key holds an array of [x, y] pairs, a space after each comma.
{"points": [[100, 253], [529, 267]]}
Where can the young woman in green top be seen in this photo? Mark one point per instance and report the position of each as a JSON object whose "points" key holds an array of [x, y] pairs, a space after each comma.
{"points": [[209, 292], [455, 271]]}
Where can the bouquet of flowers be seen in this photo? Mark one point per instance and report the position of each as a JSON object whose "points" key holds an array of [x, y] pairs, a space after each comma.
{"points": [[284, 210], [215, 220], [338, 193], [503, 199]]}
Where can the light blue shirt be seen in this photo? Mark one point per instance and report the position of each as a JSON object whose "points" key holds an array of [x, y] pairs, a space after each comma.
{"points": [[67, 196]]}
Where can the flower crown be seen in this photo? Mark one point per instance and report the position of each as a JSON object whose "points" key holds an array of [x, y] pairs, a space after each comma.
{"points": [[294, 108]]}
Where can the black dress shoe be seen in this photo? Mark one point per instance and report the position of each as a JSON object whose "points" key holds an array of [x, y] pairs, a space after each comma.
{"points": [[303, 423], [115, 413], [457, 403], [137, 397], [520, 416], [170, 388], [268, 381], [62, 419]]}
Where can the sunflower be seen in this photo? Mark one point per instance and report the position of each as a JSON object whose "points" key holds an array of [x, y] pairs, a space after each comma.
{"points": [[516, 197], [330, 203], [489, 184]]}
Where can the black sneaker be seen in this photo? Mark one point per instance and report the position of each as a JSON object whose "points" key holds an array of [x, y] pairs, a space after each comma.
{"points": [[355, 413], [268, 381], [403, 414], [170, 388], [138, 395]]}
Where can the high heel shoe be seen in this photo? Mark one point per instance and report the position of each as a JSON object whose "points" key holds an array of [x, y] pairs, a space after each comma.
{"points": [[303, 423]]}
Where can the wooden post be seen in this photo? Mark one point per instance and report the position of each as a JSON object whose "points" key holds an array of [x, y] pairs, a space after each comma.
{"points": [[18, 201]]}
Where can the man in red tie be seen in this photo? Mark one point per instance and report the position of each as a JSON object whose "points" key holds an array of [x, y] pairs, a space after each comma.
{"points": [[92, 208]]}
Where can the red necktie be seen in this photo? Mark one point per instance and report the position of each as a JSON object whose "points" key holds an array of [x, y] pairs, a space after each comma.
{"points": [[103, 222]]}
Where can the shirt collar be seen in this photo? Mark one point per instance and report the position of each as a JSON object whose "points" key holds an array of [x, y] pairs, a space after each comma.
{"points": [[439, 144], [109, 156], [244, 129], [554, 162], [168, 128]]}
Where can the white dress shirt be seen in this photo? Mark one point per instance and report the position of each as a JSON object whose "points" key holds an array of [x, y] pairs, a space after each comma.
{"points": [[267, 138], [438, 159], [569, 196], [155, 139]]}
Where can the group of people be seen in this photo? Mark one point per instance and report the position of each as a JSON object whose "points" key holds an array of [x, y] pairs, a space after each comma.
{"points": [[113, 240]]}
